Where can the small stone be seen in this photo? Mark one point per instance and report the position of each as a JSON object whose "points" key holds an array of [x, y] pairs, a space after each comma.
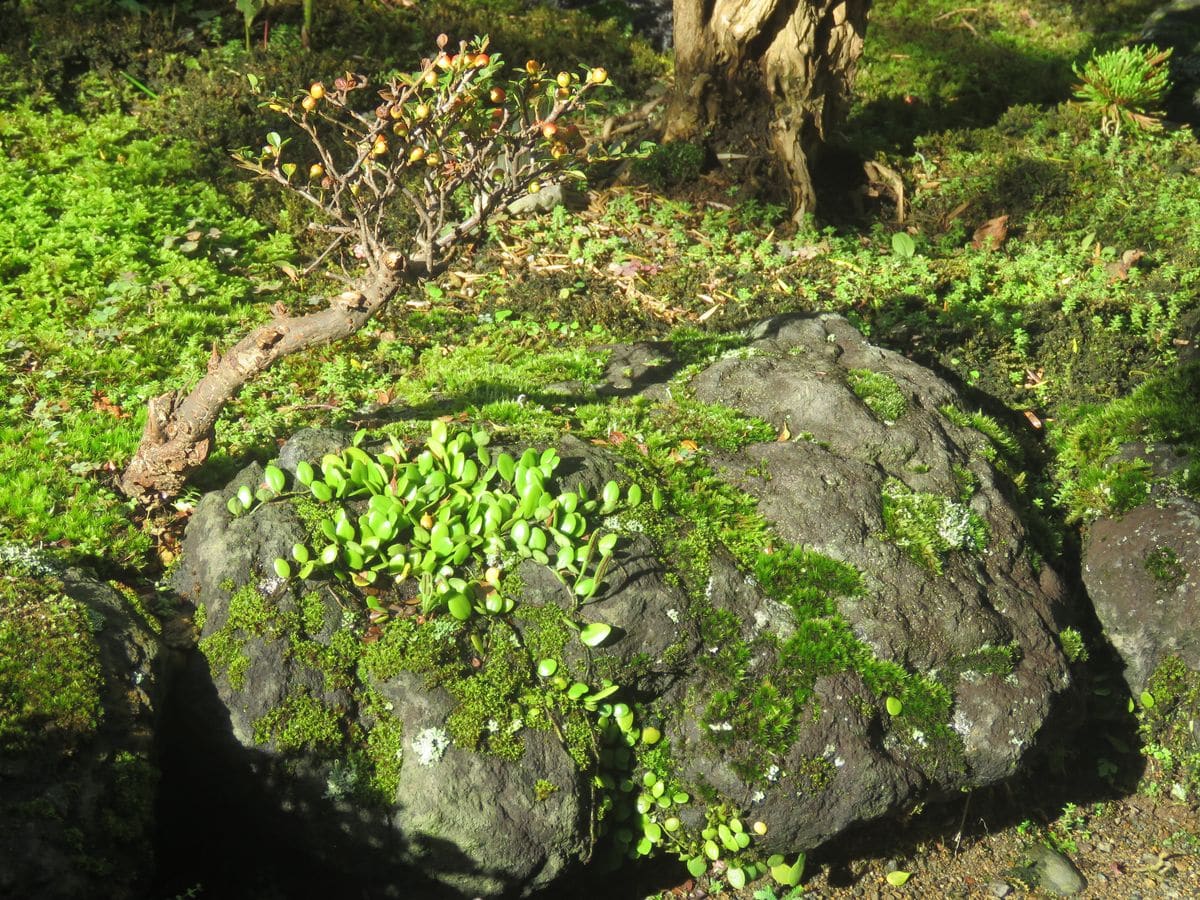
{"points": [[1103, 847], [999, 888], [1056, 874]]}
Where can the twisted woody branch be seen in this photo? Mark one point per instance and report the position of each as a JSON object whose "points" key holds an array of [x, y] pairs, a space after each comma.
{"points": [[447, 129]]}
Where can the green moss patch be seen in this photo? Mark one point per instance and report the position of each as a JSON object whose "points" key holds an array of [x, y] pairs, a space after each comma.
{"points": [[880, 392], [1096, 480], [928, 526], [50, 678]]}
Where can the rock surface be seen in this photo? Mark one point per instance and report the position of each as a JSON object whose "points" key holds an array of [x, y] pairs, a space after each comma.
{"points": [[77, 811], [1142, 571], [964, 628]]}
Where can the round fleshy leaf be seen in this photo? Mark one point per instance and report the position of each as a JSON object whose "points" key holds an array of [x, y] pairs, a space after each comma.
{"points": [[651, 736], [711, 850], [273, 476], [697, 866], [321, 491], [653, 831], [282, 569], [304, 473], [1147, 699], [547, 667], [577, 690], [898, 878], [736, 878], [894, 706], [245, 496], [595, 634], [656, 498], [300, 553], [234, 505], [634, 495], [520, 533], [459, 606]]}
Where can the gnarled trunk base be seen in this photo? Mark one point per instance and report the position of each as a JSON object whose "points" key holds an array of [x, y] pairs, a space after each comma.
{"points": [[787, 66], [179, 430]]}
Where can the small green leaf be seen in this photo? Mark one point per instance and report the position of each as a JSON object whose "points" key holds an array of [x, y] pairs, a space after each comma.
{"points": [[656, 498], [547, 667], [903, 245], [585, 587], [1147, 699], [520, 533], [438, 431], [711, 850], [634, 495], [321, 491], [506, 466], [594, 634], [577, 690], [894, 706], [273, 476], [304, 473], [788, 876], [736, 878], [611, 494], [459, 606], [234, 505], [245, 496], [898, 878], [606, 544], [651, 735], [653, 831], [282, 569], [300, 553], [697, 866]]}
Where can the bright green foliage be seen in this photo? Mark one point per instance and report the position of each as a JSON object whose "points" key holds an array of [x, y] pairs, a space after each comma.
{"points": [[94, 327], [50, 677], [438, 517], [880, 392], [1073, 646], [1168, 727], [927, 526], [1126, 86], [1094, 480]]}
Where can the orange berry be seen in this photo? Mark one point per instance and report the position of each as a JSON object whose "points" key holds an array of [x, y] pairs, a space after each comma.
{"points": [[308, 103], [317, 90]]}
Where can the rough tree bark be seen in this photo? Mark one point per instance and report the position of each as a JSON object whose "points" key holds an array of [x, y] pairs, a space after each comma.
{"points": [[179, 429], [786, 64]]}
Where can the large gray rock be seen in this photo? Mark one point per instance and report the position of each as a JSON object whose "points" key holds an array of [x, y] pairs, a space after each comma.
{"points": [[483, 784], [77, 803], [1142, 571]]}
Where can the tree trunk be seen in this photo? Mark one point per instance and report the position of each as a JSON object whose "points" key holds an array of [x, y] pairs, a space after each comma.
{"points": [[179, 430], [774, 75]]}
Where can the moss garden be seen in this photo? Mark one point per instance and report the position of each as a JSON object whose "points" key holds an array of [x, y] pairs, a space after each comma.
{"points": [[529, 524]]}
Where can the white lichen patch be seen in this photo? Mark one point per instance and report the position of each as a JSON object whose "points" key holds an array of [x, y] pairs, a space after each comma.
{"points": [[430, 745], [673, 615], [954, 527]]}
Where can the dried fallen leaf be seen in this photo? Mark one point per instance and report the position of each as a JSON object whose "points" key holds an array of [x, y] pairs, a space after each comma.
{"points": [[785, 434], [1033, 419], [1119, 270], [991, 234]]}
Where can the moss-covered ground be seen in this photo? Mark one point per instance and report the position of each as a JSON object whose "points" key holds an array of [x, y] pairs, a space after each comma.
{"points": [[129, 245]]}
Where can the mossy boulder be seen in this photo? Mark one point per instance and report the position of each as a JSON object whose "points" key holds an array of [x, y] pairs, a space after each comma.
{"points": [[806, 632], [1142, 571], [81, 683]]}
